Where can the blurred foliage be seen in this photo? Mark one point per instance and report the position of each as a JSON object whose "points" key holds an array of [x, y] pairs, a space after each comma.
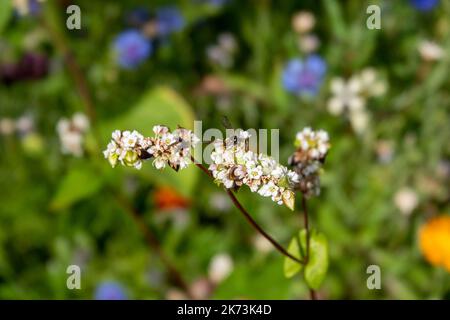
{"points": [[57, 210]]}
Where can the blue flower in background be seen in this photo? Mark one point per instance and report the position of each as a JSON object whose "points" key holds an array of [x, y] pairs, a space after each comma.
{"points": [[169, 19], [304, 77], [132, 48], [110, 291], [424, 5]]}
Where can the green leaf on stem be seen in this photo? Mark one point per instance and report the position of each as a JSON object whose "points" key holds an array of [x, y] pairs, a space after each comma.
{"points": [[317, 265], [296, 248]]}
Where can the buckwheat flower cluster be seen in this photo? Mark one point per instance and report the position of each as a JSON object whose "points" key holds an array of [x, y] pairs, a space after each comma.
{"points": [[234, 165], [312, 148], [166, 148]]}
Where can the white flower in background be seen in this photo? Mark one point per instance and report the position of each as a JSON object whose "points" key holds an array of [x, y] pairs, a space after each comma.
{"points": [[234, 166], [220, 268], [80, 121], [25, 124], [308, 43], [350, 97], [262, 244], [130, 148], [372, 85], [406, 200], [359, 120], [346, 95], [7, 126], [71, 134], [176, 294], [227, 41], [219, 202], [430, 51], [221, 53], [303, 22], [200, 289], [312, 149]]}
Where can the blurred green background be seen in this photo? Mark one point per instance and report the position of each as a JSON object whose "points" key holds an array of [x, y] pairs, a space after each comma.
{"points": [[214, 59]]}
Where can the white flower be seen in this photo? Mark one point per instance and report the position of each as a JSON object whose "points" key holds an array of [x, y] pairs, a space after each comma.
{"points": [[220, 268], [371, 85], [255, 172], [303, 22], [129, 139], [7, 126], [71, 143], [308, 43], [359, 120], [222, 52], [160, 130], [268, 190], [430, 51], [293, 177], [71, 134], [116, 135], [80, 121], [345, 95], [159, 163], [279, 171], [168, 139], [228, 183], [406, 200], [25, 124], [262, 244], [243, 135], [227, 42]]}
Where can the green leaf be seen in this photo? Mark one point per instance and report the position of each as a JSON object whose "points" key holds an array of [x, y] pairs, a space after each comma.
{"points": [[5, 13], [161, 105], [79, 183], [335, 17], [296, 248], [317, 266]]}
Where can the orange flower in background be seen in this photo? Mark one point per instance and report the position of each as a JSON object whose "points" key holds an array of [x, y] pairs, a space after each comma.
{"points": [[166, 198], [434, 238]]}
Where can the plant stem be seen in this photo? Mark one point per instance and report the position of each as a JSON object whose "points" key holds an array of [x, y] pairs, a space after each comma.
{"points": [[249, 218], [312, 293]]}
